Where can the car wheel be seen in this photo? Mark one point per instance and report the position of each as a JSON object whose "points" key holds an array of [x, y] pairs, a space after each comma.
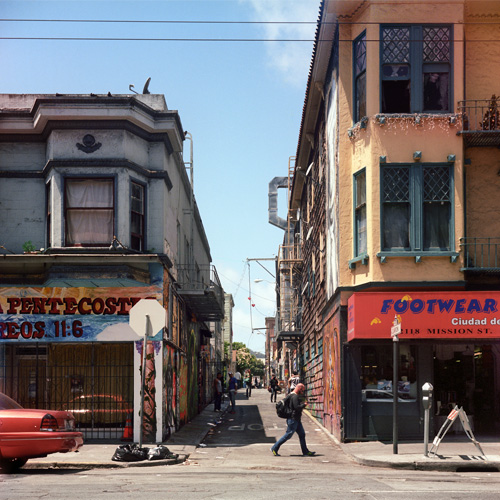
{"points": [[9, 466]]}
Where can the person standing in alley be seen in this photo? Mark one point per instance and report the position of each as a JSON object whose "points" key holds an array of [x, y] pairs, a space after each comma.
{"points": [[232, 389], [293, 381], [274, 388], [218, 392], [248, 383], [294, 422]]}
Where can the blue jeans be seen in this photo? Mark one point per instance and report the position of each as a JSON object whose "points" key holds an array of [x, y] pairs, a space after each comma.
{"points": [[292, 427], [232, 398]]}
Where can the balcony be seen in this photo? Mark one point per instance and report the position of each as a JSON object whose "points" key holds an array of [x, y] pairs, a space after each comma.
{"points": [[480, 122], [481, 255], [202, 292]]}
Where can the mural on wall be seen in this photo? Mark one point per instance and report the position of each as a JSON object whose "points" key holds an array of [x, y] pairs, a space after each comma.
{"points": [[193, 374], [183, 390], [331, 376], [58, 314], [170, 387], [150, 420], [315, 394]]}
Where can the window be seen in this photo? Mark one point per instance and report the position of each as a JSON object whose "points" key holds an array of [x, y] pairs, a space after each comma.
{"points": [[360, 246], [137, 206], [359, 52], [415, 70], [89, 212], [416, 207]]}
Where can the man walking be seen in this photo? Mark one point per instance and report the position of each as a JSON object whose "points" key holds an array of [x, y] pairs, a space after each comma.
{"points": [[294, 423], [218, 392], [232, 389], [274, 388]]}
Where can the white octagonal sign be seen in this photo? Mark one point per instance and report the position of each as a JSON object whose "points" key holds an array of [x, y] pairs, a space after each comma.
{"points": [[153, 309]]}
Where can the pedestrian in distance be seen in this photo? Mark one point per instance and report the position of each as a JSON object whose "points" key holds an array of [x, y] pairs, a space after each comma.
{"points": [[248, 384], [218, 392], [237, 375], [294, 423], [232, 389], [274, 385], [293, 381]]}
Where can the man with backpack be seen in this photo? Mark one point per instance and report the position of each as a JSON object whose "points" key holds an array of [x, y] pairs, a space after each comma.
{"points": [[294, 423]]}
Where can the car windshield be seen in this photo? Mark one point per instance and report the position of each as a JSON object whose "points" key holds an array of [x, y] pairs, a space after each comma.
{"points": [[7, 403]]}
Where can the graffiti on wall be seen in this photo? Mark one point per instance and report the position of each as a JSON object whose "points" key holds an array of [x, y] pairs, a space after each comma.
{"points": [[183, 390], [149, 420], [331, 376], [170, 387], [193, 374]]}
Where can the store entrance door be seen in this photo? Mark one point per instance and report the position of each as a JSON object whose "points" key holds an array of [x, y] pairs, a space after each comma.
{"points": [[465, 375]]}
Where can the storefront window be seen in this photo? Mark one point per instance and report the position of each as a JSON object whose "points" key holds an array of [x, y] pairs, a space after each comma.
{"points": [[377, 370]]}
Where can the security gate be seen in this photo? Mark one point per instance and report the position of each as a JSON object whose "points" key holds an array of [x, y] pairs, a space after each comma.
{"points": [[94, 381]]}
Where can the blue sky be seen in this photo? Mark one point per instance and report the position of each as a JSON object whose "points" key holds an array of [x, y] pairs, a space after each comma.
{"points": [[241, 101]]}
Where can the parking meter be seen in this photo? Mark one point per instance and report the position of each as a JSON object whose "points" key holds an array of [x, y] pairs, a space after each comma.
{"points": [[427, 392]]}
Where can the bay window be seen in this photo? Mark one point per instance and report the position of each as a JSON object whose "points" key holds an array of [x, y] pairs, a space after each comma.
{"points": [[416, 68], [417, 207]]}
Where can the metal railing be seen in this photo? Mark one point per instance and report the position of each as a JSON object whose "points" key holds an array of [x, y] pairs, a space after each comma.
{"points": [[481, 253], [480, 121]]}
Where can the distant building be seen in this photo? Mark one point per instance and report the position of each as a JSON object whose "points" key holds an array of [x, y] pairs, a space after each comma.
{"points": [[97, 212]]}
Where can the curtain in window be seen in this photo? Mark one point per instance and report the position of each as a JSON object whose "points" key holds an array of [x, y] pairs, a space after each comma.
{"points": [[437, 225], [89, 214], [396, 226]]}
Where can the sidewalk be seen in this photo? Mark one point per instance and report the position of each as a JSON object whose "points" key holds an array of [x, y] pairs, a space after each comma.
{"points": [[455, 453], [93, 456]]}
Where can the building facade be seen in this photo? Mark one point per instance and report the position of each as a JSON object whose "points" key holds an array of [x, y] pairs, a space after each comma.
{"points": [[392, 203], [98, 212]]}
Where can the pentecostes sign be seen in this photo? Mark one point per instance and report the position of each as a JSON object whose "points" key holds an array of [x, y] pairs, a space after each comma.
{"points": [[425, 315], [70, 314]]}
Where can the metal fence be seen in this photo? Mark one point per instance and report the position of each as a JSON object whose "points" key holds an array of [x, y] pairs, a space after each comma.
{"points": [[93, 381]]}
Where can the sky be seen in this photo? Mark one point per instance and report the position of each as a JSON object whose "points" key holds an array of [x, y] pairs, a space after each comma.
{"points": [[241, 100]]}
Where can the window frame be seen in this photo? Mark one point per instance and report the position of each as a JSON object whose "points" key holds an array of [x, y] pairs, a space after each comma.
{"points": [[49, 213], [357, 209], [417, 67], [142, 237], [417, 221], [356, 76], [113, 208]]}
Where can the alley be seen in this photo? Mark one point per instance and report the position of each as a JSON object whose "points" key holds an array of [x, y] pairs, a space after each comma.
{"points": [[244, 439]]}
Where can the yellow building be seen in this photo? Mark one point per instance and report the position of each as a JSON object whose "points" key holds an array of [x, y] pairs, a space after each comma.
{"points": [[392, 211]]}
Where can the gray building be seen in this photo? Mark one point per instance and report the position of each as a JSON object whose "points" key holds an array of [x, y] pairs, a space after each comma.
{"points": [[97, 212]]}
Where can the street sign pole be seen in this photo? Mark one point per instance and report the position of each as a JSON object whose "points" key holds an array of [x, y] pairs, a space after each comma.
{"points": [[143, 380], [395, 331]]}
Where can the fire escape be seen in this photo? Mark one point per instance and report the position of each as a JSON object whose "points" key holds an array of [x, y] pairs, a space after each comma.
{"points": [[289, 326], [202, 292]]}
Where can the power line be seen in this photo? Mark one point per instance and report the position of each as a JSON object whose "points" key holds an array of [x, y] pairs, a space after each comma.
{"points": [[150, 21], [110, 39], [192, 21], [282, 40]]}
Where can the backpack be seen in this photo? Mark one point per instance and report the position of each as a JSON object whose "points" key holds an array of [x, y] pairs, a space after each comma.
{"points": [[283, 409]]}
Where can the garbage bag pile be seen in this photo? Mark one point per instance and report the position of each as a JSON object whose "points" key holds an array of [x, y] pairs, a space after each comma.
{"points": [[134, 453]]}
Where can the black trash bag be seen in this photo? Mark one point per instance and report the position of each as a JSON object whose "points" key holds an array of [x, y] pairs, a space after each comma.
{"points": [[160, 452], [130, 453]]}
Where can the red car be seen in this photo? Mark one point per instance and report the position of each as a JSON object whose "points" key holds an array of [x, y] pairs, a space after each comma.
{"points": [[27, 433]]}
